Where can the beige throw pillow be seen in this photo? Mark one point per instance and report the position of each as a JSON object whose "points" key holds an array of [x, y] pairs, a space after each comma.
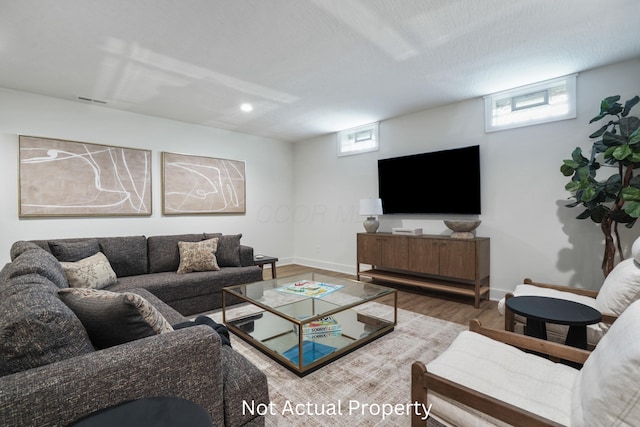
{"points": [[198, 256], [93, 272]]}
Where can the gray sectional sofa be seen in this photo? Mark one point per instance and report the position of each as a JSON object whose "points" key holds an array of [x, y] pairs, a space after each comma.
{"points": [[151, 263], [52, 374]]}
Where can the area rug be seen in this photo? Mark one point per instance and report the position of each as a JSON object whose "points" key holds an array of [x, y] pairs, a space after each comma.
{"points": [[368, 387]]}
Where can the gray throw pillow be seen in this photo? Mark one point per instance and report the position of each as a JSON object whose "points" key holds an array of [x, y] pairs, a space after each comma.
{"points": [[112, 318], [228, 253], [74, 251]]}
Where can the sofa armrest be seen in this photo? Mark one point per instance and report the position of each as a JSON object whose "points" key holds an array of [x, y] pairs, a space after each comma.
{"points": [[246, 256], [185, 363]]}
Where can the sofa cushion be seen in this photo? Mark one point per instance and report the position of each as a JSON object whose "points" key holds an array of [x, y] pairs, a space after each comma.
{"points": [[74, 251], [17, 248], [198, 256], [36, 327], [113, 318], [163, 251], [93, 272], [606, 389], [228, 253], [127, 255], [35, 260]]}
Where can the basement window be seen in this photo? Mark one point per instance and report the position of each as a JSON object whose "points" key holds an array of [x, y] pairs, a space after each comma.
{"points": [[543, 102], [361, 139]]}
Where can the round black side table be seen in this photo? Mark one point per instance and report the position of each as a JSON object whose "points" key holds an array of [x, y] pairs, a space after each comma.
{"points": [[540, 310]]}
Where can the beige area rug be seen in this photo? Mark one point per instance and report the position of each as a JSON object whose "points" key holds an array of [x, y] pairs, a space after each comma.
{"points": [[355, 389]]}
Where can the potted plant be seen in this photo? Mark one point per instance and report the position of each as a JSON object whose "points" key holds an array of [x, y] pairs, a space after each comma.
{"points": [[608, 199]]}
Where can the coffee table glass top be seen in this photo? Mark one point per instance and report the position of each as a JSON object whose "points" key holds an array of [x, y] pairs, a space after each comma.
{"points": [[335, 316]]}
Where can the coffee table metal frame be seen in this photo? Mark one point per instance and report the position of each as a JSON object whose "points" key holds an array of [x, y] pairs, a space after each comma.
{"points": [[271, 319]]}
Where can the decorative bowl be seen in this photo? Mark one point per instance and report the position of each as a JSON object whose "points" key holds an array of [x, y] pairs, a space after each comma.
{"points": [[462, 229]]}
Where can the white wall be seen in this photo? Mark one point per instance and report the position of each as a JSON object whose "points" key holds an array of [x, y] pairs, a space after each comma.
{"points": [[269, 176], [532, 232]]}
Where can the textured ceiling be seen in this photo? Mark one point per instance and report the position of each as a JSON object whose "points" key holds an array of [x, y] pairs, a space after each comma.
{"points": [[310, 67]]}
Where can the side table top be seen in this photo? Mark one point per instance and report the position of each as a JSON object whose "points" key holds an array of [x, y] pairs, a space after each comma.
{"points": [[554, 310], [264, 259]]}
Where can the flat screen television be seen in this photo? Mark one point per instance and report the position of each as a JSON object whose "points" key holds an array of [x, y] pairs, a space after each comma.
{"points": [[439, 182]]}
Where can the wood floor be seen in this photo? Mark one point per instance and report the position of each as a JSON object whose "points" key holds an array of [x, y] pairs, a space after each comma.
{"points": [[446, 307]]}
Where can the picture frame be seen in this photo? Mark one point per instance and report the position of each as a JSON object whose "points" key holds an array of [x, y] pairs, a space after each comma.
{"points": [[63, 178], [193, 185]]}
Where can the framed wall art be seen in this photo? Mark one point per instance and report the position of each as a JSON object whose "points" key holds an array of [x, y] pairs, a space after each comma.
{"points": [[202, 185], [69, 178]]}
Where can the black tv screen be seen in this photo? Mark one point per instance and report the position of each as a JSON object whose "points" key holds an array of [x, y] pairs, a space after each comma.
{"points": [[444, 182]]}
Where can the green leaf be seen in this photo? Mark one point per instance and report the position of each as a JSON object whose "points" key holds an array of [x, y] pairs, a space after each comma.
{"points": [[629, 105], [632, 209], [598, 214], [622, 152], [630, 194], [588, 194], [610, 139], [628, 125], [577, 156], [573, 186], [567, 170], [608, 102], [584, 215], [600, 131]]}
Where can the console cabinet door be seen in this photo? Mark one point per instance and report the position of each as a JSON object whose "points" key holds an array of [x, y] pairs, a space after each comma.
{"points": [[394, 252], [457, 259], [383, 251], [424, 256], [368, 249]]}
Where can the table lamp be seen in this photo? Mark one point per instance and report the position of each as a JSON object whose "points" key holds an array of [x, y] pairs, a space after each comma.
{"points": [[369, 208]]}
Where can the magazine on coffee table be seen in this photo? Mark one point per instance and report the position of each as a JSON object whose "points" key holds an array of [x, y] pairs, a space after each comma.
{"points": [[310, 288]]}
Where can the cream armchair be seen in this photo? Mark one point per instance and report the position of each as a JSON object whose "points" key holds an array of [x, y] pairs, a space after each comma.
{"points": [[485, 379], [618, 291]]}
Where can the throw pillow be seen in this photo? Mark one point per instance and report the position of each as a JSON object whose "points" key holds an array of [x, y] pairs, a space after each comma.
{"points": [[93, 272], [228, 253], [112, 318], [198, 256], [74, 251]]}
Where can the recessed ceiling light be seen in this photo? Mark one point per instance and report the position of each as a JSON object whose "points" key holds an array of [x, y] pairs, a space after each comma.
{"points": [[246, 107]]}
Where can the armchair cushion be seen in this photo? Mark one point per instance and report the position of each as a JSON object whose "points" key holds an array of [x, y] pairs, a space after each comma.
{"points": [[505, 373], [606, 390], [620, 288]]}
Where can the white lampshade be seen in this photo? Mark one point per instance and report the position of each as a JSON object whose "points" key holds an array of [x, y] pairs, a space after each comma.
{"points": [[370, 207]]}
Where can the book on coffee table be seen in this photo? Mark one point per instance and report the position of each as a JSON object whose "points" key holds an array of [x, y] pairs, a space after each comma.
{"points": [[310, 288], [311, 351]]}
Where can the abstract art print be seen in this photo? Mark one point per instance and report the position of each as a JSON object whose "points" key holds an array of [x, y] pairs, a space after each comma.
{"points": [[202, 185], [69, 178]]}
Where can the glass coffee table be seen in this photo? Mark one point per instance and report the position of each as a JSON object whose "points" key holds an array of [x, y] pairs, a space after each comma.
{"points": [[308, 320]]}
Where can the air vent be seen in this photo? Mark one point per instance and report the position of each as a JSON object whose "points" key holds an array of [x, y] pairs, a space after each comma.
{"points": [[97, 101]]}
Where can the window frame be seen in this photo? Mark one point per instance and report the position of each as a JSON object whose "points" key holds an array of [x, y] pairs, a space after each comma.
{"points": [[532, 89], [343, 140]]}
